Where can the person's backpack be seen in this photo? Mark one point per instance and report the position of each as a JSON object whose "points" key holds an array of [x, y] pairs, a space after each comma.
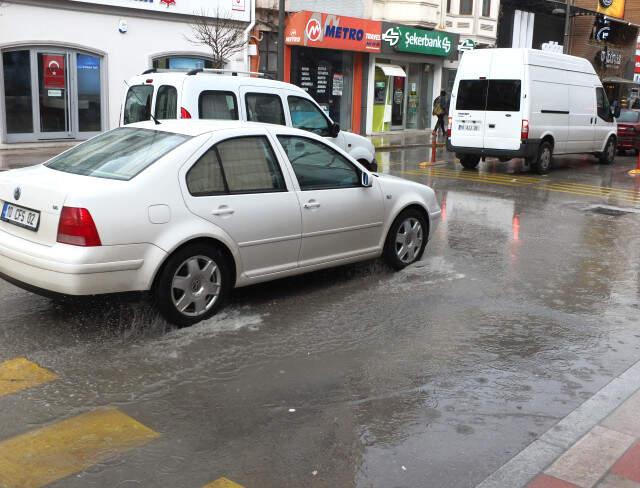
{"points": [[438, 109]]}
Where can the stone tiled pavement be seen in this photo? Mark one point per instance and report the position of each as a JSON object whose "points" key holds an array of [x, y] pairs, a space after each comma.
{"points": [[608, 456]]}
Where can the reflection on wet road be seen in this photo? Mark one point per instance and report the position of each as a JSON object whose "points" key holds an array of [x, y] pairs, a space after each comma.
{"points": [[526, 304]]}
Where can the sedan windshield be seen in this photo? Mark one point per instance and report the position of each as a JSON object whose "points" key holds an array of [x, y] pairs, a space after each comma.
{"points": [[119, 154], [629, 116]]}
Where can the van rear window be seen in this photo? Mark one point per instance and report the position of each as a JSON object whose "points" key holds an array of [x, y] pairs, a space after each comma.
{"points": [[489, 95], [137, 106]]}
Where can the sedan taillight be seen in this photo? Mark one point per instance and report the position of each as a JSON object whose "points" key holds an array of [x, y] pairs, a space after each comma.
{"points": [[77, 228]]}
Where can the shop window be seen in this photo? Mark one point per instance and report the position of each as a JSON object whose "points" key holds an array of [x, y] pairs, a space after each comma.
{"points": [[182, 62], [448, 6], [17, 91], [167, 103], [486, 8], [268, 50], [466, 7], [218, 105], [306, 116], [318, 166], [264, 107], [137, 105], [89, 93]]}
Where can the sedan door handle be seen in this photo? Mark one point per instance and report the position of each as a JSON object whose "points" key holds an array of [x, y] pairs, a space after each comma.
{"points": [[223, 210], [312, 204]]}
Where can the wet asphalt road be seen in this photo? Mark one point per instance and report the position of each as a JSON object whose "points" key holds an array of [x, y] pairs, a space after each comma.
{"points": [[525, 304]]}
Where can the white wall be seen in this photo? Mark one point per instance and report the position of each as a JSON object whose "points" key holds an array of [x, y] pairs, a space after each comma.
{"points": [[350, 8], [126, 54], [425, 14]]}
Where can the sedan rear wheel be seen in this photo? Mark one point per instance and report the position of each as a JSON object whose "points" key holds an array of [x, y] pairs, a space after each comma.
{"points": [[193, 284], [406, 240]]}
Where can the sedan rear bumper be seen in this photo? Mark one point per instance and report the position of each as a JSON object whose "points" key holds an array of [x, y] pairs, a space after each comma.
{"points": [[71, 270]]}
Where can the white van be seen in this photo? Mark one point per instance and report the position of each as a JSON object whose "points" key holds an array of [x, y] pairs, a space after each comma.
{"points": [[526, 103], [222, 94]]}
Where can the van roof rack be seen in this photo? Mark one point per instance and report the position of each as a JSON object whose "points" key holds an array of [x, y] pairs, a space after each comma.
{"points": [[232, 72]]}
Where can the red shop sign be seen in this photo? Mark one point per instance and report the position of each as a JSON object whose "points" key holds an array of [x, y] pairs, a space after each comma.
{"points": [[315, 29], [53, 71]]}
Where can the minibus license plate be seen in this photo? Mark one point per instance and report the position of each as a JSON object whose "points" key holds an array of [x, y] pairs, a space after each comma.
{"points": [[20, 216], [469, 127]]}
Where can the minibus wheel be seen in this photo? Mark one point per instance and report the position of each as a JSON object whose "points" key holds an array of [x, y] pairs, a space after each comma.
{"points": [[470, 161], [542, 164]]}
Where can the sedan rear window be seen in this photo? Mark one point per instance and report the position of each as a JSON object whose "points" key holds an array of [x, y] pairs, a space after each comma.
{"points": [[629, 116], [119, 154]]}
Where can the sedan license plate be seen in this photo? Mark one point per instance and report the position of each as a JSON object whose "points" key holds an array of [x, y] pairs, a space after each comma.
{"points": [[469, 127], [20, 216]]}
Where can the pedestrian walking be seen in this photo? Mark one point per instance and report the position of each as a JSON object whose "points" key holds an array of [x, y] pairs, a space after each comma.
{"points": [[441, 110]]}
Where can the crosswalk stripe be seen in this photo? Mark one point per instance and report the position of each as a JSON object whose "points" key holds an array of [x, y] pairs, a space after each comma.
{"points": [[20, 374], [40, 457], [223, 483]]}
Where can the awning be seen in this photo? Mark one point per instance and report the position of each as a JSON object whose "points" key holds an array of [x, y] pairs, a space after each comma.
{"points": [[392, 70], [617, 79]]}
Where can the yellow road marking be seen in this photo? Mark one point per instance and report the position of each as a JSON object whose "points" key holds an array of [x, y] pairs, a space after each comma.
{"points": [[467, 178], [20, 373], [597, 189], [45, 455], [484, 176], [223, 483], [588, 194]]}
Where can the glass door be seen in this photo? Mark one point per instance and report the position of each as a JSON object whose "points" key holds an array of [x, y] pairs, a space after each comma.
{"points": [[397, 102], [53, 95]]}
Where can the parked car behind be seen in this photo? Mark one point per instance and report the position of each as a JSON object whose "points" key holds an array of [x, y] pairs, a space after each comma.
{"points": [[216, 94], [629, 131], [532, 104], [191, 209]]}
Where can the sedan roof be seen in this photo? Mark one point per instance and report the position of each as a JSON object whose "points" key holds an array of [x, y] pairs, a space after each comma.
{"points": [[197, 127]]}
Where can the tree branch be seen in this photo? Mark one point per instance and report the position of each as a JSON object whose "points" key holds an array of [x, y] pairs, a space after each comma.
{"points": [[219, 33]]}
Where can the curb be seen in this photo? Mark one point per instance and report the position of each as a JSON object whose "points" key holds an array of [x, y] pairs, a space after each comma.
{"points": [[405, 146], [541, 453]]}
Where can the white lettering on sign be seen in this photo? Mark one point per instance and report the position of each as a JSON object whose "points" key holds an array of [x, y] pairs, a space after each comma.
{"points": [[611, 57], [553, 47]]}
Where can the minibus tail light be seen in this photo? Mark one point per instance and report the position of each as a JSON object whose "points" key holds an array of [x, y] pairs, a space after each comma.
{"points": [[524, 131], [449, 126], [184, 113]]}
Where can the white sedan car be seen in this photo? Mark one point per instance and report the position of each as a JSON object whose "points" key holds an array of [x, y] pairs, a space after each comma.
{"points": [[191, 209]]}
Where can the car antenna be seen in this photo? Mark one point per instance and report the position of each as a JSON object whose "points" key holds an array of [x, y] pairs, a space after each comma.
{"points": [[140, 100]]}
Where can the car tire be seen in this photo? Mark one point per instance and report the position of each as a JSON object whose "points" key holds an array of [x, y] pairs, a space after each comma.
{"points": [[469, 161], [407, 239], [608, 155], [542, 162], [185, 290]]}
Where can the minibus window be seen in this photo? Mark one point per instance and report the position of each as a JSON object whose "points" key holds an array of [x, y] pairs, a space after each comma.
{"points": [[472, 95], [137, 106], [503, 96]]}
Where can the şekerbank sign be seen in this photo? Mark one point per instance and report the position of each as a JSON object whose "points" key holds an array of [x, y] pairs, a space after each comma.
{"points": [[429, 42]]}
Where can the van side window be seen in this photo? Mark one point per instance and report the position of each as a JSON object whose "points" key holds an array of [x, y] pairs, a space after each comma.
{"points": [[167, 102], [219, 105], [306, 116], [137, 106], [503, 96], [472, 95], [264, 107], [604, 110]]}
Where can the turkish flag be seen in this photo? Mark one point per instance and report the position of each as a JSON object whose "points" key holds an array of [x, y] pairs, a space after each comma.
{"points": [[53, 66]]}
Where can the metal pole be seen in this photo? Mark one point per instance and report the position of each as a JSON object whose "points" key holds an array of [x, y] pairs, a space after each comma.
{"points": [[281, 41], [567, 27]]}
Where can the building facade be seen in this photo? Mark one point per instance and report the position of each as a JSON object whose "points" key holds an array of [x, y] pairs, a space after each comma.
{"points": [[64, 64]]}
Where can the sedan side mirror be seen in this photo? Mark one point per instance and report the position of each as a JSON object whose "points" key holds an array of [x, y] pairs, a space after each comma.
{"points": [[365, 180], [334, 130]]}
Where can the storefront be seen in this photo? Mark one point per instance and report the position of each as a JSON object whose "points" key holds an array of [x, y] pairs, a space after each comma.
{"points": [[327, 55], [406, 76], [64, 65]]}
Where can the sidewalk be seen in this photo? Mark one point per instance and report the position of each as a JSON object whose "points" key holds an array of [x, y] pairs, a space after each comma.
{"points": [[19, 158], [595, 446], [390, 141]]}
